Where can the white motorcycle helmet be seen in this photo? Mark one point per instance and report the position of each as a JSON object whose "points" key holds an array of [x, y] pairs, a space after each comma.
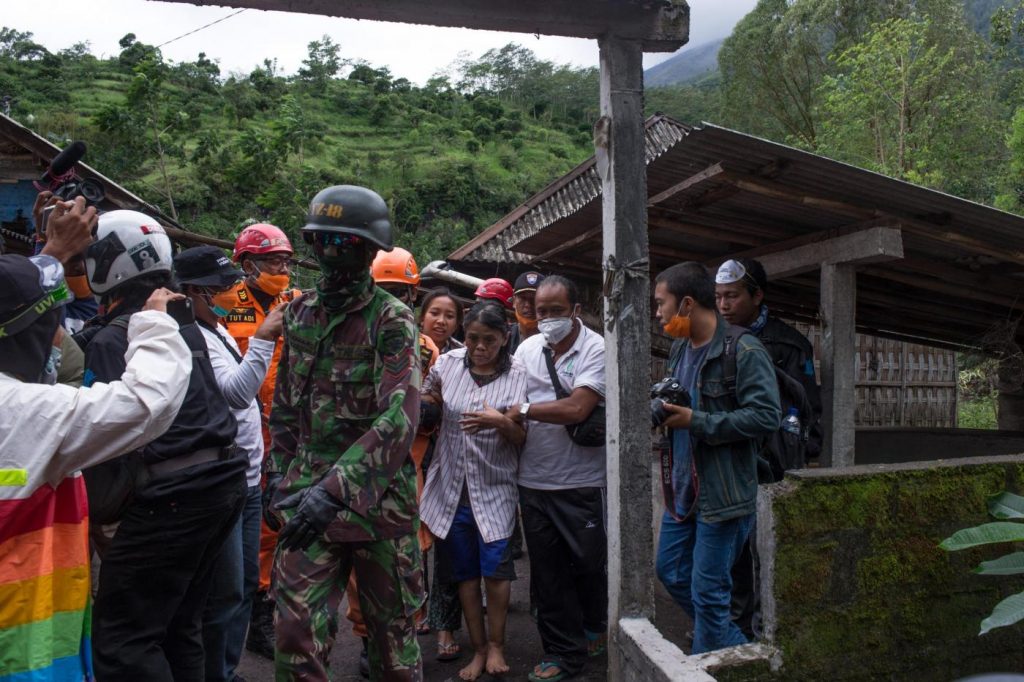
{"points": [[128, 244]]}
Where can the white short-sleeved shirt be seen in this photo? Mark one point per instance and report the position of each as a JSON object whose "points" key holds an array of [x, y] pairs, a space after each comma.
{"points": [[550, 460], [486, 461]]}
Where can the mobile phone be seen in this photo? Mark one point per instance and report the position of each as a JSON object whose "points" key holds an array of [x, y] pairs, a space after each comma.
{"points": [[181, 310]]}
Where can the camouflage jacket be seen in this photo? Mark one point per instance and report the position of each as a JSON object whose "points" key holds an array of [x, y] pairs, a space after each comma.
{"points": [[346, 408]]}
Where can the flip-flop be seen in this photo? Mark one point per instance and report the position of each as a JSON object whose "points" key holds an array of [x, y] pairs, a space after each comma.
{"points": [[544, 667], [591, 638], [448, 652], [423, 629]]}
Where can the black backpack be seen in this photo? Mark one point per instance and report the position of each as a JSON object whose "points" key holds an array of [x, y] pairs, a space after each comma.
{"points": [[782, 450]]}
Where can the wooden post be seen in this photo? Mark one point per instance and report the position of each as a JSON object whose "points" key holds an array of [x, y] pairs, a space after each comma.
{"points": [[838, 380], [620, 150]]}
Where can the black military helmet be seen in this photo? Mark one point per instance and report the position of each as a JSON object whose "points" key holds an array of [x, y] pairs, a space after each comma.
{"points": [[348, 209]]}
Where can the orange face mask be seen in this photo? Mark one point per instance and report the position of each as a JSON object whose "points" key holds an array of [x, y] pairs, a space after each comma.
{"points": [[272, 284], [221, 304], [527, 323], [679, 326], [79, 286]]}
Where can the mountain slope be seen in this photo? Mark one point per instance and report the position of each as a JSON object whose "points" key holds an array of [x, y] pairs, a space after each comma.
{"points": [[691, 64]]}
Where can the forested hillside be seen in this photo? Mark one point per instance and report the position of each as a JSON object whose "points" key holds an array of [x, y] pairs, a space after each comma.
{"points": [[927, 90], [217, 150]]}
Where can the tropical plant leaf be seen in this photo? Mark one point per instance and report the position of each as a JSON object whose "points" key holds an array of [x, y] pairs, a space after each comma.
{"points": [[1011, 564], [1006, 506], [985, 534], [1006, 612]]}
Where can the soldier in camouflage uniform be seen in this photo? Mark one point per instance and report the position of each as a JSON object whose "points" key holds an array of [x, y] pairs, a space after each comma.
{"points": [[345, 412]]}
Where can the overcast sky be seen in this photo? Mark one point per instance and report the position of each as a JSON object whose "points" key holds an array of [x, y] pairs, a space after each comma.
{"points": [[242, 41]]}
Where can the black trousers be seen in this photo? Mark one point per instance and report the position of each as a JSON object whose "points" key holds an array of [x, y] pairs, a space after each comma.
{"points": [[147, 620], [568, 547]]}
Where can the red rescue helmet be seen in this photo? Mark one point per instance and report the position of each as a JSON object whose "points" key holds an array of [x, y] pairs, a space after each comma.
{"points": [[260, 239], [496, 289]]}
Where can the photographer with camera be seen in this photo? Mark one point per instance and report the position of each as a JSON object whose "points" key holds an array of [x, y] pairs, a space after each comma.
{"points": [[714, 443], [43, 509]]}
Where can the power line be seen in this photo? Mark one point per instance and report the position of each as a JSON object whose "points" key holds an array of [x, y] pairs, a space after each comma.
{"points": [[197, 30]]}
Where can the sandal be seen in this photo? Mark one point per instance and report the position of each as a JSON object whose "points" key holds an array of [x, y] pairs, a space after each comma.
{"points": [[544, 667], [423, 629], [448, 652], [597, 642]]}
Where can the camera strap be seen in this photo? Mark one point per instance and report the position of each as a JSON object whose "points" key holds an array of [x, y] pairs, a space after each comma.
{"points": [[668, 492]]}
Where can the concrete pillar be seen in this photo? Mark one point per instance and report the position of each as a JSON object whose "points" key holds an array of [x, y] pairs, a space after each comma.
{"points": [[838, 350], [619, 142]]}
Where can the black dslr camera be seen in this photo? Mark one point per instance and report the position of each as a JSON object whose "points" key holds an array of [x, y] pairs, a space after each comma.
{"points": [[670, 391], [61, 179], [65, 183]]}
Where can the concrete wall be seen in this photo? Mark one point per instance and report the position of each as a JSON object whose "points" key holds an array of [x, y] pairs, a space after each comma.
{"points": [[855, 586]]}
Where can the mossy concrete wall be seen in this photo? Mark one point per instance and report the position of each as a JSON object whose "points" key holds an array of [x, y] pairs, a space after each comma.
{"points": [[855, 586]]}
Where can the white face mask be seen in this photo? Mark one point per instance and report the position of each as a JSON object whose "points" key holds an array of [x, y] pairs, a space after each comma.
{"points": [[555, 329]]}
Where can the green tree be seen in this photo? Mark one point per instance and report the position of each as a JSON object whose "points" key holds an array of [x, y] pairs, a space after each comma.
{"points": [[905, 104], [321, 64]]}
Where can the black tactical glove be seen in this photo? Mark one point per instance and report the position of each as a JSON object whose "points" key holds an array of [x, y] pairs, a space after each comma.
{"points": [[273, 481], [315, 509]]}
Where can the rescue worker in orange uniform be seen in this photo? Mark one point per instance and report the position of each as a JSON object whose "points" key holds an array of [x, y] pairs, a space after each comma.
{"points": [[265, 256], [396, 272]]}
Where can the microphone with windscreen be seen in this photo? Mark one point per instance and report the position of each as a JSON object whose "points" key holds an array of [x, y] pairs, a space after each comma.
{"points": [[62, 179]]}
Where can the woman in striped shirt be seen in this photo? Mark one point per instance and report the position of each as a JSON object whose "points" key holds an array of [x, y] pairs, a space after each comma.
{"points": [[469, 500]]}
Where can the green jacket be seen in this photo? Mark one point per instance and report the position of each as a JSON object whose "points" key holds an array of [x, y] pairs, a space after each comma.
{"points": [[727, 426], [346, 408]]}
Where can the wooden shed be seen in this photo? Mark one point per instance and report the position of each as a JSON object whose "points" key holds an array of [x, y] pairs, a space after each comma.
{"points": [[912, 265]]}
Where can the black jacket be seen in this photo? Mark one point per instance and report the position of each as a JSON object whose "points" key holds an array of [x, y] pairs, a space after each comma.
{"points": [[793, 354], [204, 421]]}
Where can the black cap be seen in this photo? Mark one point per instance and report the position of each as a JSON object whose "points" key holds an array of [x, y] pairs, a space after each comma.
{"points": [[19, 285], [205, 266], [528, 281], [28, 290]]}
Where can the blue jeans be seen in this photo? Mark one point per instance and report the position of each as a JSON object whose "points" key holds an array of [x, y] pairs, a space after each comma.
{"points": [[229, 605], [694, 563]]}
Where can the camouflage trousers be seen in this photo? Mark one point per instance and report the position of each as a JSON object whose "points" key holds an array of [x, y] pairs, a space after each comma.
{"points": [[308, 589]]}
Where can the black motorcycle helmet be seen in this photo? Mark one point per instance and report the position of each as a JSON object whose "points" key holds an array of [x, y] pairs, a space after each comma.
{"points": [[349, 209]]}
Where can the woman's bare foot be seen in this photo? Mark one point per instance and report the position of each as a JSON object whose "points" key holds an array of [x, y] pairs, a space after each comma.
{"points": [[475, 668], [496, 664]]}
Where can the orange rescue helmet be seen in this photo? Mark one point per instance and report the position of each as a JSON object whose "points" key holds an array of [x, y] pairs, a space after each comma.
{"points": [[397, 265]]}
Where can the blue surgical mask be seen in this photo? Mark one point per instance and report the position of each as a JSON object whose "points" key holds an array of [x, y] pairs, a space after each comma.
{"points": [[555, 329], [217, 310]]}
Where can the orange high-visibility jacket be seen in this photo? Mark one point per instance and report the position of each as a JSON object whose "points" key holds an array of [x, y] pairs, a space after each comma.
{"points": [[243, 321]]}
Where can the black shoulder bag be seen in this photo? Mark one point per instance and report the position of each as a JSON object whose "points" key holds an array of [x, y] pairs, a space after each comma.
{"points": [[590, 432]]}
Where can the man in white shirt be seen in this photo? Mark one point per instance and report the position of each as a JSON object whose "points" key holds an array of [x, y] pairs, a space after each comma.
{"points": [[562, 484], [206, 274]]}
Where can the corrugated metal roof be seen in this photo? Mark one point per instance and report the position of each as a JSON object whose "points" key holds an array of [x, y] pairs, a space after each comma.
{"points": [[963, 266], [561, 199]]}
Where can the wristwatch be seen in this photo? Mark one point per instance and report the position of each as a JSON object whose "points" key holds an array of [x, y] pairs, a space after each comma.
{"points": [[523, 409]]}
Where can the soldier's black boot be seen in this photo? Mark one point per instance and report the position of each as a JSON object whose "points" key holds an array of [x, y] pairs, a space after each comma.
{"points": [[364, 659], [261, 626]]}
